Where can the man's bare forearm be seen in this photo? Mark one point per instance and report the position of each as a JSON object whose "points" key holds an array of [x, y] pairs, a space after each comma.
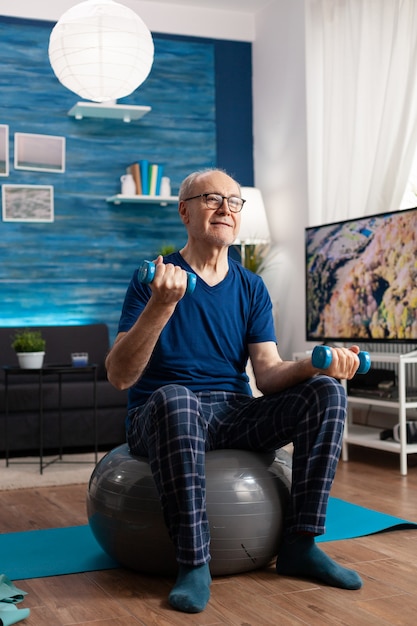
{"points": [[131, 351]]}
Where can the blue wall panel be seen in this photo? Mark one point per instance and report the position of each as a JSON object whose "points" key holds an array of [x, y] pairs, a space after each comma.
{"points": [[76, 269]]}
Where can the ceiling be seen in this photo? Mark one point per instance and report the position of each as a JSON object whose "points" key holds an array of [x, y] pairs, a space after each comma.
{"points": [[242, 6], [45, 9]]}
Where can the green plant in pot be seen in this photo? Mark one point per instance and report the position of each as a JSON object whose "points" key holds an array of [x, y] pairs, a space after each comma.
{"points": [[29, 346], [255, 255]]}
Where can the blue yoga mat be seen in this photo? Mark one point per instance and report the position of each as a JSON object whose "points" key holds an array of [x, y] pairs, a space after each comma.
{"points": [[56, 551], [347, 521]]}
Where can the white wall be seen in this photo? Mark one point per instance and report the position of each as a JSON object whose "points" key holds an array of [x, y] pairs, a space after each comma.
{"points": [[280, 154], [281, 158]]}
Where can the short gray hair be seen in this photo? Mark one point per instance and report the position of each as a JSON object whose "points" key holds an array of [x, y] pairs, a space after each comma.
{"points": [[188, 182]]}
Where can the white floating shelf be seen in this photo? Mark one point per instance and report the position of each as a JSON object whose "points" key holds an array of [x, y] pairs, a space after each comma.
{"points": [[125, 112], [162, 200]]}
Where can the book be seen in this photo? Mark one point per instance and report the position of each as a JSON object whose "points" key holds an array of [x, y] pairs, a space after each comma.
{"points": [[144, 174], [158, 179], [134, 169], [153, 176], [147, 177]]}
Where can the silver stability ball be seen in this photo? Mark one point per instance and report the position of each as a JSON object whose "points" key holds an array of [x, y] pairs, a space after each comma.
{"points": [[246, 494]]}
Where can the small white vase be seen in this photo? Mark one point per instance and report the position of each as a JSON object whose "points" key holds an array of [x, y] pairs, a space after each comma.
{"points": [[128, 185], [30, 360], [165, 187]]}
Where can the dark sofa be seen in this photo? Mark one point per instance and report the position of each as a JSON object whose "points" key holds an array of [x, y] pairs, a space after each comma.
{"points": [[77, 395]]}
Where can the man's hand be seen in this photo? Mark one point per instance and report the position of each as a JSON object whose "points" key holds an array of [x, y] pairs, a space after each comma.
{"points": [[170, 282], [344, 362]]}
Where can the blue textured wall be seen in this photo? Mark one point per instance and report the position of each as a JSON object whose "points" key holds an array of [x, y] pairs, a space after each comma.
{"points": [[76, 269]]}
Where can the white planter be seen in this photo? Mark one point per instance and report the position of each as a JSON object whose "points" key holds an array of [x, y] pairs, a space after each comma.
{"points": [[30, 360]]}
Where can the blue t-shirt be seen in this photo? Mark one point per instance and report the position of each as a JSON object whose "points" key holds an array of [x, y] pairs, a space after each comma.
{"points": [[204, 345]]}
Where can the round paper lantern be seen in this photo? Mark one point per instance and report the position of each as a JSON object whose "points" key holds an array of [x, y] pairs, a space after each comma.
{"points": [[101, 50]]}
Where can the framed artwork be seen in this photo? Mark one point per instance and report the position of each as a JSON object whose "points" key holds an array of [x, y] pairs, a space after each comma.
{"points": [[42, 153], [4, 150], [27, 203]]}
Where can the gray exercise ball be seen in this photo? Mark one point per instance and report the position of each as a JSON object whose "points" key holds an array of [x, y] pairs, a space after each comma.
{"points": [[246, 494]]}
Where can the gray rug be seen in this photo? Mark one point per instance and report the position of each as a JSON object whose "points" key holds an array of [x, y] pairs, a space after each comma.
{"points": [[24, 473]]}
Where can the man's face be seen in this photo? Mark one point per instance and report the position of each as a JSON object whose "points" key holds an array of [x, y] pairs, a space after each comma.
{"points": [[219, 226]]}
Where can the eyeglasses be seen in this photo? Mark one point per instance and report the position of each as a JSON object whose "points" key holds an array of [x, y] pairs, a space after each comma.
{"points": [[214, 201]]}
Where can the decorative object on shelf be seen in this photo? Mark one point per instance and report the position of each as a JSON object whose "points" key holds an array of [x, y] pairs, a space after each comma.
{"points": [[29, 346], [128, 185], [165, 189], [101, 50], [254, 230]]}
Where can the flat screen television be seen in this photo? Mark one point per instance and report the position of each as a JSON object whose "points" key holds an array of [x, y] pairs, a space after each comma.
{"points": [[361, 279]]}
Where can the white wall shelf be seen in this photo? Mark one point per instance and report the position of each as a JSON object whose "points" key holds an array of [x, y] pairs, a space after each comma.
{"points": [[125, 112], [123, 199]]}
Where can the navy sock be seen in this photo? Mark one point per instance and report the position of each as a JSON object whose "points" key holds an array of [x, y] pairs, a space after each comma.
{"points": [[300, 556], [192, 589]]}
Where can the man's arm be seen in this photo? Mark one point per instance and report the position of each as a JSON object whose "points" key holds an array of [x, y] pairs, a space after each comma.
{"points": [[132, 350], [272, 374]]}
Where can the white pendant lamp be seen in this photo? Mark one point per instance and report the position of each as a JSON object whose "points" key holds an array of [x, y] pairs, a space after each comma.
{"points": [[101, 50]]}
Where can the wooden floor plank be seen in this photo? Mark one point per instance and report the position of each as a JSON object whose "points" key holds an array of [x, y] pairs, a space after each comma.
{"points": [[386, 562]]}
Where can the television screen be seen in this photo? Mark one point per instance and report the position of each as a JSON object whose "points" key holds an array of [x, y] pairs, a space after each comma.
{"points": [[361, 279]]}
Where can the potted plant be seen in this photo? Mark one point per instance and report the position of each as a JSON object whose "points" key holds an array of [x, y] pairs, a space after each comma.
{"points": [[29, 346], [255, 256]]}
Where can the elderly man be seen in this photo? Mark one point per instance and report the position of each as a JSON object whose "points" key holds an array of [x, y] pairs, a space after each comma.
{"points": [[183, 358]]}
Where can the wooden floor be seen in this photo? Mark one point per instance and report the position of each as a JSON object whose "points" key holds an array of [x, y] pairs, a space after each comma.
{"points": [[386, 562]]}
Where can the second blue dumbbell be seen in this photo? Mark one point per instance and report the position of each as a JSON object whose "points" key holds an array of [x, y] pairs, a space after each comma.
{"points": [[146, 274], [322, 358]]}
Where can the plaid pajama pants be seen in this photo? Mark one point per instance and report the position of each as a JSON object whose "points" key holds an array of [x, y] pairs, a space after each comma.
{"points": [[176, 426]]}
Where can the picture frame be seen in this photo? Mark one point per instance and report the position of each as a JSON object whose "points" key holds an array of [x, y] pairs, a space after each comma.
{"points": [[4, 150], [41, 153], [27, 203]]}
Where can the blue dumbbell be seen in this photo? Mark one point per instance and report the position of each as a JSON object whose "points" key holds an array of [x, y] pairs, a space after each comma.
{"points": [[146, 274], [322, 358]]}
